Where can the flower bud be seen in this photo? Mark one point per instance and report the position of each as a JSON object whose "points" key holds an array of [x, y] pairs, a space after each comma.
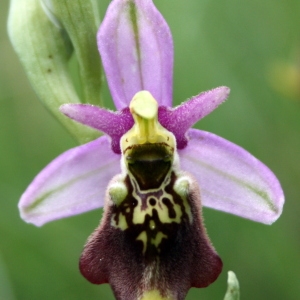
{"points": [[44, 50], [233, 289]]}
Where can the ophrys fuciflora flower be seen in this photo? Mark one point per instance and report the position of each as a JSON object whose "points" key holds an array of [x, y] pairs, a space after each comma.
{"points": [[151, 232]]}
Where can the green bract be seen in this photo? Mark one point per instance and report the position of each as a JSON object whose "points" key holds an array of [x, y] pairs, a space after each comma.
{"points": [[45, 47]]}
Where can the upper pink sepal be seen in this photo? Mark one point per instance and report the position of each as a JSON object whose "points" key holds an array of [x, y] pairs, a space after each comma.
{"points": [[136, 49]]}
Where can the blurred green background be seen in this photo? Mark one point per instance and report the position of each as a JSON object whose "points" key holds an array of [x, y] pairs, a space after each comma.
{"points": [[252, 46]]}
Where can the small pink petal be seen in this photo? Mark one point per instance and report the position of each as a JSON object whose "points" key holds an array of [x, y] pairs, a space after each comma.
{"points": [[114, 124], [179, 119]]}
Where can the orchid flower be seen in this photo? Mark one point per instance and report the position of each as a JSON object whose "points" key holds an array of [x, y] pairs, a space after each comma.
{"points": [[150, 171]]}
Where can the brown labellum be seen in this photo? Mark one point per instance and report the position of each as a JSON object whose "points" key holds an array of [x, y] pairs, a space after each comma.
{"points": [[167, 249]]}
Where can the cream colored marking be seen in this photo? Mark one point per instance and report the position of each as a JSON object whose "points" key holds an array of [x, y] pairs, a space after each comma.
{"points": [[147, 192], [157, 240], [118, 192], [181, 187], [164, 215], [155, 295], [139, 214], [122, 223], [143, 237], [152, 225]]}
